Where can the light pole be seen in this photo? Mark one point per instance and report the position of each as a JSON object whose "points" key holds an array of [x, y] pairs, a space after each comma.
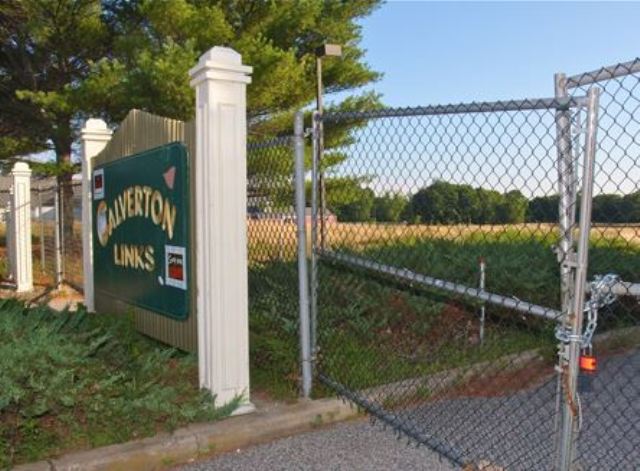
{"points": [[326, 50]]}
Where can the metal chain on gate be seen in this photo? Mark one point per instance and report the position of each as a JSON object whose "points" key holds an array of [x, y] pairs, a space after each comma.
{"points": [[601, 295]]}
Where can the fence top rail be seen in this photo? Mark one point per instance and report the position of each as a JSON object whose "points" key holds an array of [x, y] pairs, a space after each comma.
{"points": [[461, 108], [604, 73], [278, 141], [53, 187], [44, 189]]}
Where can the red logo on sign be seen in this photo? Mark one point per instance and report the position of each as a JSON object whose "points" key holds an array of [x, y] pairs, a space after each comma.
{"points": [[176, 267]]}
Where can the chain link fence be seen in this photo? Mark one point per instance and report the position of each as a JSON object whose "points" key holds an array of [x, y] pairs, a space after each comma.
{"points": [[56, 226], [426, 201], [610, 401], [56, 233], [273, 274], [454, 266], [46, 270], [71, 233]]}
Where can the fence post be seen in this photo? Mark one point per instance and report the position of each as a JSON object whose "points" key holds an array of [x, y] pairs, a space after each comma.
{"points": [[94, 136], [569, 367], [566, 208], [303, 276], [57, 229], [41, 221], [567, 191], [61, 232], [314, 233], [321, 181], [21, 263], [220, 81], [481, 285]]}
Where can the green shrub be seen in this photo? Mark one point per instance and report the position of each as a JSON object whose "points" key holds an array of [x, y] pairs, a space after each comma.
{"points": [[75, 380]]}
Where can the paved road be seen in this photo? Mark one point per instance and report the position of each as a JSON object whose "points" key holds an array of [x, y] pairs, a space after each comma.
{"points": [[349, 446]]}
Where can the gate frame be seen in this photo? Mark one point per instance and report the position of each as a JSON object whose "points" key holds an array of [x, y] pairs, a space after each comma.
{"points": [[573, 266], [574, 270]]}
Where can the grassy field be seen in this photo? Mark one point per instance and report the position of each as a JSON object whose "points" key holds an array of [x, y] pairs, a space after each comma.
{"points": [[274, 238], [372, 331]]}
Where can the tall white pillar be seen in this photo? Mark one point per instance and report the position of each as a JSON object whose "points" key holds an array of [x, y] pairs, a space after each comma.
{"points": [[20, 228], [220, 81], [94, 137]]}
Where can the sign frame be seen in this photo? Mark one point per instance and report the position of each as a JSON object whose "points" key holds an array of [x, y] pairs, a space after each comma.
{"points": [[142, 279]]}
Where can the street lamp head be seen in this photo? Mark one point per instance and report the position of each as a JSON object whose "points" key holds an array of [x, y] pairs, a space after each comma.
{"points": [[326, 50]]}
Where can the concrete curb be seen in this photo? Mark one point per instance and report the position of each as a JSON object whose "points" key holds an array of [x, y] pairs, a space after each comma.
{"points": [[201, 440]]}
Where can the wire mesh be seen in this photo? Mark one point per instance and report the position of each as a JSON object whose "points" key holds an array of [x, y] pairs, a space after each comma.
{"points": [[56, 233], [422, 201], [43, 229], [610, 398], [71, 233], [273, 295]]}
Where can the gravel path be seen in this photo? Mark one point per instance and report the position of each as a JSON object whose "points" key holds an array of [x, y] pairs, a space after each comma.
{"points": [[349, 446]]}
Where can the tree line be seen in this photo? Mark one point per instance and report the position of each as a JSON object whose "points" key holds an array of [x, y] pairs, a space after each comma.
{"points": [[448, 203], [607, 208]]}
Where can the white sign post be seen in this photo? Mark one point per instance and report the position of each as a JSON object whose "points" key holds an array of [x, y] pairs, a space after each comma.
{"points": [[20, 228], [220, 81], [94, 137]]}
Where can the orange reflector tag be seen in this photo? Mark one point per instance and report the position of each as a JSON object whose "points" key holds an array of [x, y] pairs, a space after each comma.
{"points": [[588, 363]]}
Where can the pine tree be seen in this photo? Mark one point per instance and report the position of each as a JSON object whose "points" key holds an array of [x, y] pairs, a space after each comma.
{"points": [[64, 60]]}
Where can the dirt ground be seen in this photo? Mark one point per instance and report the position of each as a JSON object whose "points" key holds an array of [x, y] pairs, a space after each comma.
{"points": [[60, 299]]}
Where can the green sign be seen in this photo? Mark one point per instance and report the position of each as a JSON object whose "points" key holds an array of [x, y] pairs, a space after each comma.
{"points": [[141, 230]]}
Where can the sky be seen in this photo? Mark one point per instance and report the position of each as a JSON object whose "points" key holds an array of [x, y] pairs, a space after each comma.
{"points": [[433, 53], [443, 52]]}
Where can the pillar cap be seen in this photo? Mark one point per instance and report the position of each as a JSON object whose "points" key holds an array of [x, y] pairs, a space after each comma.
{"points": [[95, 129], [220, 63], [21, 168]]}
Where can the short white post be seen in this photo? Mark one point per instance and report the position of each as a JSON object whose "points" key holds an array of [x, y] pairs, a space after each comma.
{"points": [[220, 81], [21, 263], [94, 137]]}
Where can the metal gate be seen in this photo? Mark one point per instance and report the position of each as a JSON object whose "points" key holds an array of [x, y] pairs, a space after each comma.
{"points": [[449, 271]]}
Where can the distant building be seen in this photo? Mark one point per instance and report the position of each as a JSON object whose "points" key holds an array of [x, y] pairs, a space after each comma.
{"points": [[329, 217], [288, 216], [42, 196]]}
